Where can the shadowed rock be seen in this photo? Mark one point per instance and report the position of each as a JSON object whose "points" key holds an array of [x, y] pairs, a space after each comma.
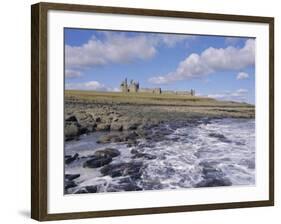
{"points": [[97, 161], [107, 152], [71, 176], [132, 169], [70, 159], [87, 189], [220, 137], [144, 155]]}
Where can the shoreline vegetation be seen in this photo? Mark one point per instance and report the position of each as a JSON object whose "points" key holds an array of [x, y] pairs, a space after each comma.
{"points": [[127, 118]]}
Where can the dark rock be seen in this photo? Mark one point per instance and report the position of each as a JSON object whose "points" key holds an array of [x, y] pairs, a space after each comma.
{"points": [[91, 189], [216, 182], [130, 136], [97, 161], [69, 184], [125, 184], [213, 177], [132, 169], [81, 191], [130, 126], [107, 152], [71, 176], [134, 151], [221, 137], [144, 155], [71, 118], [87, 189], [98, 119], [70, 159]]}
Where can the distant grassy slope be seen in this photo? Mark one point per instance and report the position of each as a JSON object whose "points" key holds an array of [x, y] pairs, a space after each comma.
{"points": [[147, 99]]}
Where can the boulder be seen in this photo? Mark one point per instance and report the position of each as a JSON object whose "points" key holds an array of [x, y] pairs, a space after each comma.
{"points": [[87, 189], [69, 184], [144, 155], [97, 161], [131, 169], [71, 130], [107, 152], [220, 137], [70, 159], [130, 126], [71, 118], [71, 176]]}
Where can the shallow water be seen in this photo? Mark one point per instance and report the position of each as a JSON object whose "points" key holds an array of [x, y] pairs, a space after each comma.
{"points": [[216, 152]]}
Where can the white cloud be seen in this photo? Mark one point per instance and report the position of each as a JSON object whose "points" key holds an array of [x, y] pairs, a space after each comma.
{"points": [[72, 73], [242, 75], [117, 48], [114, 49], [91, 85], [239, 95], [210, 61]]}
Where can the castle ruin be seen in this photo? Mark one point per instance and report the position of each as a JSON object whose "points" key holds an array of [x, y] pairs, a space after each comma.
{"points": [[134, 87]]}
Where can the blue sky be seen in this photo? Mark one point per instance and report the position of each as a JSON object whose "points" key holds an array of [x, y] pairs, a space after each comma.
{"points": [[215, 66]]}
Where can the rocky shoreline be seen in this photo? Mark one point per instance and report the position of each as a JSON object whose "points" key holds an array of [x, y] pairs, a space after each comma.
{"points": [[128, 124]]}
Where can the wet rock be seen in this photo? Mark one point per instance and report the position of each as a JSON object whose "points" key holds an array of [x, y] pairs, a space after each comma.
{"points": [[71, 176], [70, 159], [130, 126], [69, 184], [132, 169], [87, 126], [97, 161], [107, 152], [130, 136], [220, 137], [144, 155], [213, 177], [81, 191], [125, 184], [87, 189], [216, 182]]}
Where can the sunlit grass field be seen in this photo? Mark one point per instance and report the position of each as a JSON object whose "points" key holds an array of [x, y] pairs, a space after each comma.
{"points": [[147, 98]]}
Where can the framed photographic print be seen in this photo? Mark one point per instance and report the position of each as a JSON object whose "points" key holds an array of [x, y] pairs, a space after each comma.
{"points": [[139, 111]]}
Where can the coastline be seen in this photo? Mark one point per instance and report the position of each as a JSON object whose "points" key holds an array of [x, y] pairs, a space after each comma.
{"points": [[87, 111]]}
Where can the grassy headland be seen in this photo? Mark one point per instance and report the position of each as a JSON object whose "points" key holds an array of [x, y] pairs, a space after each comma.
{"points": [[87, 111]]}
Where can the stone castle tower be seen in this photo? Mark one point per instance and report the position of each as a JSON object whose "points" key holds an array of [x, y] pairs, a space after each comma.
{"points": [[133, 87]]}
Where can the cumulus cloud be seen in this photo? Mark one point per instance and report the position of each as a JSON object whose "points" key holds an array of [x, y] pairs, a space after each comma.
{"points": [[117, 48], [72, 73], [242, 75], [91, 85], [209, 61], [239, 95]]}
